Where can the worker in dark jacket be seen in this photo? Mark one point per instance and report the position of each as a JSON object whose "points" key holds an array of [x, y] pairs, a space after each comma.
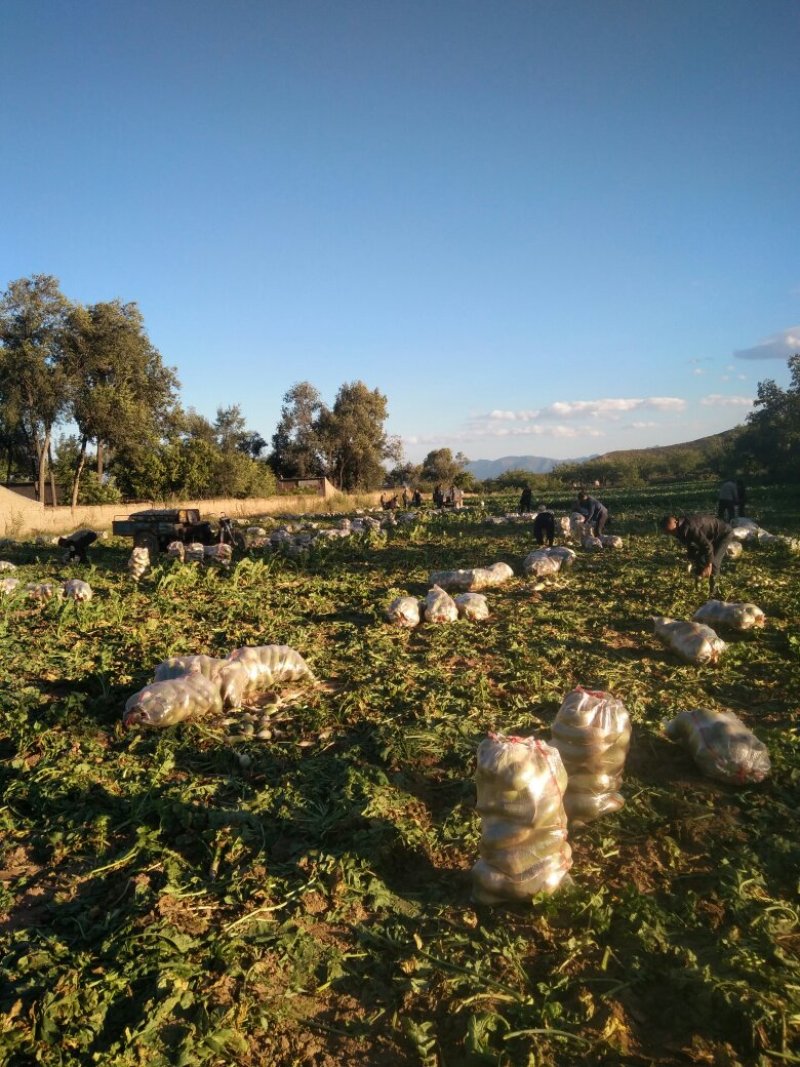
{"points": [[727, 500], [76, 545], [706, 539], [526, 501], [595, 512], [544, 525]]}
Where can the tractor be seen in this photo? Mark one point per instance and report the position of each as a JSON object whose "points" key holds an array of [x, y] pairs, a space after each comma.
{"points": [[155, 528]]}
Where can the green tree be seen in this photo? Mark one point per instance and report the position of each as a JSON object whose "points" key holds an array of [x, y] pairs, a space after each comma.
{"points": [[296, 444], [441, 467], [121, 394], [33, 383], [353, 439], [770, 442]]}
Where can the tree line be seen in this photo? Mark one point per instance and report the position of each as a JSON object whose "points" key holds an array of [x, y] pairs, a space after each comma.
{"points": [[88, 407]]}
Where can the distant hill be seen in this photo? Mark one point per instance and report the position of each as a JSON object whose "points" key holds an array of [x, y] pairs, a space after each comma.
{"points": [[707, 446], [493, 468]]}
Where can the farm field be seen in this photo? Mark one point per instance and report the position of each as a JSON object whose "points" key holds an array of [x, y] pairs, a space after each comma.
{"points": [[200, 895]]}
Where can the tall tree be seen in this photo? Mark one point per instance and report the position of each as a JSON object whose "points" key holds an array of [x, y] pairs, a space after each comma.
{"points": [[442, 467], [33, 383], [121, 392], [354, 439], [770, 443], [296, 443]]}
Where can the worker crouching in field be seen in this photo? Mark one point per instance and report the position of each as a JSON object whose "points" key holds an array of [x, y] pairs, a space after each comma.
{"points": [[76, 545], [595, 512], [706, 540], [544, 525]]}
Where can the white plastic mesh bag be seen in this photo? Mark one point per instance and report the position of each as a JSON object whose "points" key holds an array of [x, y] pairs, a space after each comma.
{"points": [[592, 731], [439, 606], [176, 700], [721, 745], [404, 611], [523, 846], [472, 606], [692, 641], [735, 615]]}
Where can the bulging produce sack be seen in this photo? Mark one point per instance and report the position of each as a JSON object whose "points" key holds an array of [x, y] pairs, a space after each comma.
{"points": [[592, 732], [541, 564], [567, 556], [75, 589], [721, 745], [219, 554], [463, 580], [9, 586], [180, 666], [138, 562], [590, 543], [736, 615], [472, 606], [439, 606], [5, 565], [176, 550], [44, 590], [250, 670], [499, 573], [194, 552], [404, 611], [744, 529], [611, 541], [523, 847], [692, 641], [734, 550], [173, 701]]}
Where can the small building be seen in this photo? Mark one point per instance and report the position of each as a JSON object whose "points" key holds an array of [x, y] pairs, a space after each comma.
{"points": [[28, 490], [316, 486]]}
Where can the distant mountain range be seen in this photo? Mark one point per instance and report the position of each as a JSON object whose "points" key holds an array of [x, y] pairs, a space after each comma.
{"points": [[493, 468]]}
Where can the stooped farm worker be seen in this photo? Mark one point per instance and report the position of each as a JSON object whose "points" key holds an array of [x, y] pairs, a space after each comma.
{"points": [[727, 500], [706, 540], [76, 545], [595, 512], [544, 525], [526, 501]]}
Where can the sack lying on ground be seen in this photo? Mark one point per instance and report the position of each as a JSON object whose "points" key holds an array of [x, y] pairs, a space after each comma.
{"points": [[176, 700], [541, 564], [180, 666], [498, 573], [138, 562], [219, 554], [5, 565], [176, 550], [439, 607], [735, 615], [44, 590], [523, 846], [734, 550], [472, 606], [461, 580], [721, 745], [744, 529], [404, 611], [692, 641], [567, 556], [611, 541], [590, 543], [194, 552], [75, 589], [9, 586], [249, 670], [592, 732]]}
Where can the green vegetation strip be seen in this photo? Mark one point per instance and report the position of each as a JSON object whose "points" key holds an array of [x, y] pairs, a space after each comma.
{"points": [[200, 895]]}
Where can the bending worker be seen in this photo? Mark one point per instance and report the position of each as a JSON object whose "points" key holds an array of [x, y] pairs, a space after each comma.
{"points": [[706, 540], [595, 512], [544, 525], [76, 544]]}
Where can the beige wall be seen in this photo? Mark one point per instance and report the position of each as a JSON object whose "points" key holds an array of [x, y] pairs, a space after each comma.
{"points": [[20, 517]]}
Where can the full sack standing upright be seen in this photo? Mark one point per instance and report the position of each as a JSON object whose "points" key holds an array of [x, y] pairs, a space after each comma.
{"points": [[523, 848], [592, 732]]}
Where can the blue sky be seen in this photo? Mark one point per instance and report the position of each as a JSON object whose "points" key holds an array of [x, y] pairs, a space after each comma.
{"points": [[551, 227]]}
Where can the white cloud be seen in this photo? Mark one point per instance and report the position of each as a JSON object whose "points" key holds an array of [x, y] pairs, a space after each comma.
{"points": [[725, 378], [718, 400], [698, 371], [742, 377], [609, 407], [640, 425], [781, 346]]}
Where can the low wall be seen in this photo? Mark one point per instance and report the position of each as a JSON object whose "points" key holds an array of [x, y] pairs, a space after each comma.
{"points": [[20, 517]]}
